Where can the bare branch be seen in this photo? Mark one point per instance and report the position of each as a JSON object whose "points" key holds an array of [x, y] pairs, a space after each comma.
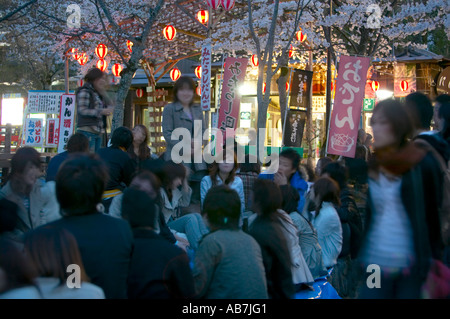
{"points": [[9, 15]]}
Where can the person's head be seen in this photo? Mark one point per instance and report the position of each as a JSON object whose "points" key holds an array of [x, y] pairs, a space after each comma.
{"points": [[438, 101], [224, 167], [361, 136], [80, 183], [122, 137], [325, 190], [289, 162], [444, 120], [139, 209], [16, 269], [184, 90], [147, 182], [391, 125], [171, 175], [267, 198], [78, 143], [321, 164], [421, 110], [222, 208], [251, 164], [336, 172], [141, 138], [97, 78], [369, 140], [26, 166], [52, 249]]}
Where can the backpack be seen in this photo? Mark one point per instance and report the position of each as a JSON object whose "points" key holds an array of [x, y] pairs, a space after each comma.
{"points": [[444, 209]]}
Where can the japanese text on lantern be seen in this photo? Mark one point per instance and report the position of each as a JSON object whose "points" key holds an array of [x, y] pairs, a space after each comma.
{"points": [[205, 83]]}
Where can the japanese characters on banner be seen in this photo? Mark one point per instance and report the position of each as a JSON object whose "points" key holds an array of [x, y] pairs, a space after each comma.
{"points": [[66, 120], [295, 125], [33, 132], [233, 77], [51, 133], [44, 101], [348, 102], [301, 88], [205, 81]]}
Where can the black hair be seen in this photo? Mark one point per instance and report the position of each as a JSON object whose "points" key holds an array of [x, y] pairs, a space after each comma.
{"points": [[80, 183], [292, 155], [181, 83], [78, 143], [267, 197], [93, 74], [444, 114], [139, 208], [222, 206], [442, 98], [122, 137], [420, 108], [22, 157], [337, 172], [251, 164], [327, 190]]}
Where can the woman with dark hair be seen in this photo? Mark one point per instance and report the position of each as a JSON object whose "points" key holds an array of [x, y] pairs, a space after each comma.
{"points": [[36, 203], [268, 232], [402, 221], [52, 250], [140, 151], [184, 114], [93, 105], [325, 219], [121, 167], [105, 242], [17, 273], [224, 269]]}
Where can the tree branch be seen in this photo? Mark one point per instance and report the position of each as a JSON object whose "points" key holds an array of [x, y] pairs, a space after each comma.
{"points": [[9, 15]]}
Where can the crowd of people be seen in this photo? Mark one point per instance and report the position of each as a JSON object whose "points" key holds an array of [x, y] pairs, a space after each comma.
{"points": [[138, 225]]}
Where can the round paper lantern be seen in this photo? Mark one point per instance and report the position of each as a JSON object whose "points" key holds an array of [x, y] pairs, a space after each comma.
{"points": [[264, 87], [287, 87], [404, 85], [198, 90], [80, 82], [139, 93], [213, 4], [332, 85], [102, 65], [83, 59], [254, 60], [227, 4], [203, 16], [130, 45], [291, 52], [175, 74], [75, 54], [198, 72], [169, 32], [300, 36], [116, 69], [375, 85], [101, 50]]}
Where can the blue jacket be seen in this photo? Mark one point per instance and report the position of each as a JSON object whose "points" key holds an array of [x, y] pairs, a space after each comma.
{"points": [[296, 182]]}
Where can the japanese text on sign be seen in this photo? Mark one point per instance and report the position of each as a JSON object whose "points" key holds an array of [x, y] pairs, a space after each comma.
{"points": [[66, 118], [33, 132], [205, 83]]}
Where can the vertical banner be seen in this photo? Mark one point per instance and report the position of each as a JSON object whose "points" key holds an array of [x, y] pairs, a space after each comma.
{"points": [[301, 88], [344, 120], [295, 125], [206, 78], [407, 74], [50, 133], [230, 101], [66, 120], [33, 132]]}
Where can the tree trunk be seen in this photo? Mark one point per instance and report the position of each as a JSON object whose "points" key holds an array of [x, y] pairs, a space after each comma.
{"points": [[281, 81]]}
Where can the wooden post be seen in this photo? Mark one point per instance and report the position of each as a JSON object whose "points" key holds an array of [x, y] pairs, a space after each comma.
{"points": [[8, 135]]}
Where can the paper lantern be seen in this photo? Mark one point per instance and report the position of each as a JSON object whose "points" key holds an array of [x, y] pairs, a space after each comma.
{"points": [[116, 69], [198, 90], [213, 4], [139, 93], [287, 87], [291, 52], [80, 82], [169, 32], [175, 74], [130, 45], [203, 16], [300, 36], [102, 65], [75, 54], [404, 85], [101, 50], [375, 85], [198, 72], [264, 87], [83, 59], [254, 60], [227, 4]]}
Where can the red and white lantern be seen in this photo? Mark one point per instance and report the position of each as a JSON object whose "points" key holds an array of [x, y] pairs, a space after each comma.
{"points": [[130, 45], [169, 32], [287, 87], [375, 85], [264, 87], [198, 90], [254, 60], [101, 50], [75, 54], [80, 82], [213, 4], [116, 69], [300, 36], [175, 74], [203, 16], [139, 93], [291, 52], [404, 85], [83, 59], [102, 65], [227, 4], [198, 72]]}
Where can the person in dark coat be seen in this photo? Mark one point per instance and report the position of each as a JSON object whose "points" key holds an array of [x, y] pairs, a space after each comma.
{"points": [[105, 242], [159, 269]]}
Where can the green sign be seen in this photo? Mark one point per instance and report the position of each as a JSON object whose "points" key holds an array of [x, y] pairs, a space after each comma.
{"points": [[368, 104]]}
